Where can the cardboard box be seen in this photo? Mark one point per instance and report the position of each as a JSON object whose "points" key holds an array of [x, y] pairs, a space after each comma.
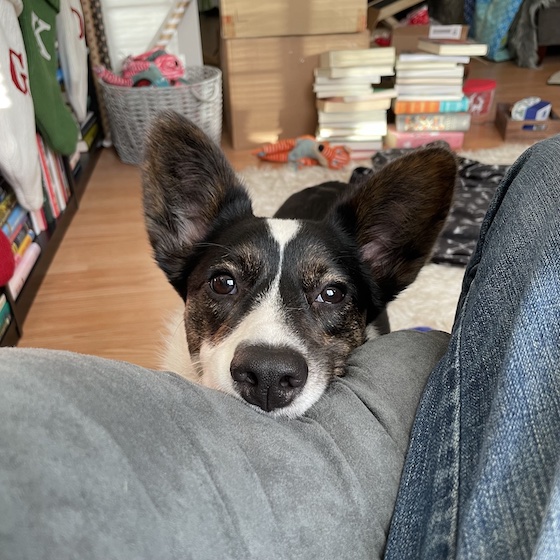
{"points": [[268, 85], [277, 18], [405, 39], [385, 10], [525, 131]]}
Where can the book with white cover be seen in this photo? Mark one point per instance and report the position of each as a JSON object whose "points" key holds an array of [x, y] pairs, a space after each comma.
{"points": [[339, 92], [428, 65], [355, 71], [347, 138], [348, 117], [429, 81], [430, 97], [467, 47], [337, 105], [364, 144], [320, 80], [455, 72], [427, 57], [426, 89], [357, 57], [374, 128]]}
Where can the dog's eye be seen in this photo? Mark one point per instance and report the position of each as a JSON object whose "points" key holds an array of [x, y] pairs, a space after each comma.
{"points": [[331, 294], [223, 284]]}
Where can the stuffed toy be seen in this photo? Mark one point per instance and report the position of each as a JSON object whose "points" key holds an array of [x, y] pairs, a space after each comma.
{"points": [[303, 151], [153, 68]]}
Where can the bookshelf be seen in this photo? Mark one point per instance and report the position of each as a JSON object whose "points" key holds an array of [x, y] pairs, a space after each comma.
{"points": [[50, 239]]}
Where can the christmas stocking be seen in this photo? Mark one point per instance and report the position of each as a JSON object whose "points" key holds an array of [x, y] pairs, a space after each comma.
{"points": [[72, 48], [19, 158], [55, 120]]}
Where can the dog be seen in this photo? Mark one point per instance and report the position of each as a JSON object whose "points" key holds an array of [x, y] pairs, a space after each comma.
{"points": [[274, 306]]}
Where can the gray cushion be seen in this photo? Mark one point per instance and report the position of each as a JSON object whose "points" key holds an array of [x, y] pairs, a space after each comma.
{"points": [[102, 459]]}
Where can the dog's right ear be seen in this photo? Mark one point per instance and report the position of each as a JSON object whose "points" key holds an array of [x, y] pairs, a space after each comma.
{"points": [[188, 187]]}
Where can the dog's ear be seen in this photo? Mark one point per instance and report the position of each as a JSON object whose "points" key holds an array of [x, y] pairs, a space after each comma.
{"points": [[396, 215], [188, 187]]}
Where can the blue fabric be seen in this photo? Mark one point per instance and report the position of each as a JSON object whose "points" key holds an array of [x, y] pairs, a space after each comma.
{"points": [[482, 475], [492, 20]]}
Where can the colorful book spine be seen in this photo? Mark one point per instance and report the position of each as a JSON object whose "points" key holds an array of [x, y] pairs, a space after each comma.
{"points": [[23, 269], [55, 178], [88, 138], [23, 240], [433, 122], [47, 180], [38, 219], [6, 206], [396, 139], [13, 224], [63, 177], [456, 106]]}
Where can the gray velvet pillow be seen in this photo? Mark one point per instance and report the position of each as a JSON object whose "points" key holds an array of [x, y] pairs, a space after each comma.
{"points": [[102, 459]]}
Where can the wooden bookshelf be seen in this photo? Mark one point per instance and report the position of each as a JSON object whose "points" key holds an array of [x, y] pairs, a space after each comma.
{"points": [[49, 241]]}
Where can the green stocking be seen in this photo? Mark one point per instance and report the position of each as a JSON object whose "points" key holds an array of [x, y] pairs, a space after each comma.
{"points": [[54, 119]]}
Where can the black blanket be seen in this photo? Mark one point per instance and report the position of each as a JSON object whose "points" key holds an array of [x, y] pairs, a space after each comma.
{"points": [[475, 188]]}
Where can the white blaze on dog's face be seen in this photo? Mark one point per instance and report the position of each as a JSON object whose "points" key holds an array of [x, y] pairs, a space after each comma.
{"points": [[274, 307], [273, 311]]}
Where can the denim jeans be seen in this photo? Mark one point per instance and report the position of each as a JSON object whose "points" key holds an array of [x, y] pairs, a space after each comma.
{"points": [[482, 474]]}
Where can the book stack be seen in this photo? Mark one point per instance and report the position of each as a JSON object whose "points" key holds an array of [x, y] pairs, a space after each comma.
{"points": [[430, 103], [56, 189], [351, 111], [22, 228], [268, 53], [16, 224]]}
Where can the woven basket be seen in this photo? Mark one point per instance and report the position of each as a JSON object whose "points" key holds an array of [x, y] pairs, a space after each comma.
{"points": [[130, 109]]}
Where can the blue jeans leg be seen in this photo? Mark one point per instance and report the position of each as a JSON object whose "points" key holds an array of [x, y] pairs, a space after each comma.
{"points": [[482, 475]]}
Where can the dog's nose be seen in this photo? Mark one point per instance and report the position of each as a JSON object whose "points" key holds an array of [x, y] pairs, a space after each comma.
{"points": [[268, 377]]}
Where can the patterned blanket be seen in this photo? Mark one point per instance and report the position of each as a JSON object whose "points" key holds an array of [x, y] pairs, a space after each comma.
{"points": [[474, 190]]}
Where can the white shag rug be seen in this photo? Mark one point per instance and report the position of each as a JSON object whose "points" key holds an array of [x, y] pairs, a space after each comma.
{"points": [[432, 299]]}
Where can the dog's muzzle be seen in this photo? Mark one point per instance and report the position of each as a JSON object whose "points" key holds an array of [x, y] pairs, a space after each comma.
{"points": [[269, 377]]}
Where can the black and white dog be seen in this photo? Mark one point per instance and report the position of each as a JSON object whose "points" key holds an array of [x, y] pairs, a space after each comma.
{"points": [[274, 306]]}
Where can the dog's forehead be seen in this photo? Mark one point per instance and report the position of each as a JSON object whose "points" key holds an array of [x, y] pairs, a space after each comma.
{"points": [[283, 231], [261, 245]]}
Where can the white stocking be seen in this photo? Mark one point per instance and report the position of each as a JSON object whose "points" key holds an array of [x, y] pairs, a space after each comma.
{"points": [[19, 158]]}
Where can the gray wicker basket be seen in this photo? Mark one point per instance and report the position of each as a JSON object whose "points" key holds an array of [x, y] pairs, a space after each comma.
{"points": [[130, 109]]}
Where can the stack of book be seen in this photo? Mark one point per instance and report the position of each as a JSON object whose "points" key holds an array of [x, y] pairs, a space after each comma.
{"points": [[17, 226], [352, 112], [430, 103], [22, 228], [56, 189]]}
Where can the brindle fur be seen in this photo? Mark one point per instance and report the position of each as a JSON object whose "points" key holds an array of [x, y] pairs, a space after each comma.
{"points": [[372, 243]]}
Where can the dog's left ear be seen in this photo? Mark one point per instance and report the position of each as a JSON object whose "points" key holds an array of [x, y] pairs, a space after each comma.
{"points": [[188, 188], [396, 215]]}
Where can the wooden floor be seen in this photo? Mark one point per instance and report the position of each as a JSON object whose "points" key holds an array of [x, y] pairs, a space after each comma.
{"points": [[103, 295]]}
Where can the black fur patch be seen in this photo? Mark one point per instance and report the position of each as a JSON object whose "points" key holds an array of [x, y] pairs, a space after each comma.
{"points": [[337, 272]]}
